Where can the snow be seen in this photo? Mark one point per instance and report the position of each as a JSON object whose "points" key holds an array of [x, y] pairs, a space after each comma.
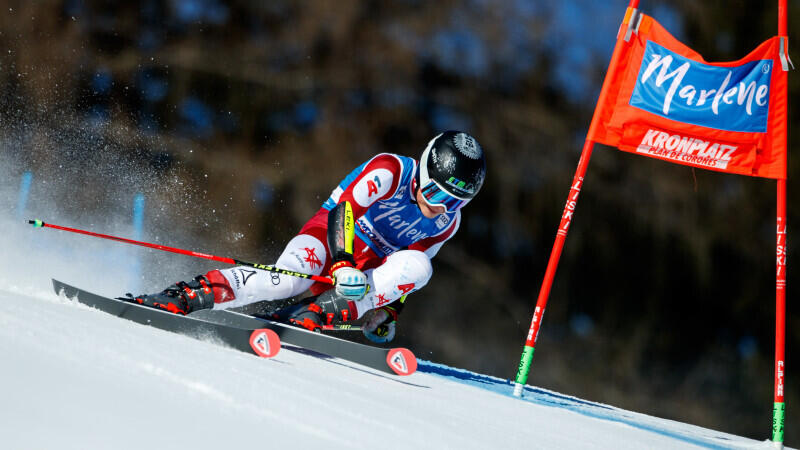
{"points": [[76, 378]]}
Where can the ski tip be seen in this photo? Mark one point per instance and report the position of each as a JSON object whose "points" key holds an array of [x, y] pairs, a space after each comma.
{"points": [[401, 361], [36, 223], [265, 343]]}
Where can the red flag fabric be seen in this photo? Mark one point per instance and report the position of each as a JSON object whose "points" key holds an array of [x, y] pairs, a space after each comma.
{"points": [[665, 101]]}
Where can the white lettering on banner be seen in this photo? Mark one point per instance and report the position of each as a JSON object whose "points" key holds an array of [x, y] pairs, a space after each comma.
{"points": [[664, 62], [727, 97], [747, 93], [686, 149]]}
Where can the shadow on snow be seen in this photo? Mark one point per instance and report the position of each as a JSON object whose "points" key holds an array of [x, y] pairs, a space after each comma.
{"points": [[548, 398]]}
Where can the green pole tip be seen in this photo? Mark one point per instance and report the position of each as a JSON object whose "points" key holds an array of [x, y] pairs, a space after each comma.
{"points": [[36, 223]]}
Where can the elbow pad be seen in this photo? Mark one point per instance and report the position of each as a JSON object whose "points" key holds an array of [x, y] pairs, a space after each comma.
{"points": [[341, 232]]}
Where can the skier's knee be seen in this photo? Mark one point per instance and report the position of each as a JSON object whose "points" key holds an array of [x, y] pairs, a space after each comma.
{"points": [[412, 265]]}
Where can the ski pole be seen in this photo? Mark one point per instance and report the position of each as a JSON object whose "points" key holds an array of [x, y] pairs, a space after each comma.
{"points": [[341, 327], [39, 224]]}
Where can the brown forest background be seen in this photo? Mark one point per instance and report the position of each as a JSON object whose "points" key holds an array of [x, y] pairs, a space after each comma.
{"points": [[236, 119]]}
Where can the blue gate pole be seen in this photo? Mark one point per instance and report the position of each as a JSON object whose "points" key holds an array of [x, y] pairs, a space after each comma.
{"points": [[24, 190], [138, 216], [138, 231]]}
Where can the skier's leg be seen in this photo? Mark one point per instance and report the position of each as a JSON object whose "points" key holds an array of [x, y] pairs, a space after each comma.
{"points": [[401, 273], [304, 253], [239, 286]]}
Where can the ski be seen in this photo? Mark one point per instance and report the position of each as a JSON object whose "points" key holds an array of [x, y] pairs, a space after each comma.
{"points": [[249, 334], [399, 361], [260, 341]]}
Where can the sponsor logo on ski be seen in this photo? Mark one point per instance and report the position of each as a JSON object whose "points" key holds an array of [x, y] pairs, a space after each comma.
{"points": [[686, 149], [732, 98], [398, 361], [401, 361], [262, 342], [265, 343]]}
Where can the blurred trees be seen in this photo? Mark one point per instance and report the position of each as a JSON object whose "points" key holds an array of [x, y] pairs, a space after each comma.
{"points": [[663, 302]]}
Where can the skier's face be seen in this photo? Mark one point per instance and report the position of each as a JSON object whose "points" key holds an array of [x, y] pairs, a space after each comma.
{"points": [[428, 210]]}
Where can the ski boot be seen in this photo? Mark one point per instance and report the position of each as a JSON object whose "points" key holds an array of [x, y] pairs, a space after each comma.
{"points": [[314, 312], [180, 298]]}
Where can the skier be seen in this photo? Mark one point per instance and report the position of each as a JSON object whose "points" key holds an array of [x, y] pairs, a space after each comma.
{"points": [[374, 236]]}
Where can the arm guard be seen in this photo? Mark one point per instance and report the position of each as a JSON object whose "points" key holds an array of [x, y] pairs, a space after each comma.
{"points": [[341, 232]]}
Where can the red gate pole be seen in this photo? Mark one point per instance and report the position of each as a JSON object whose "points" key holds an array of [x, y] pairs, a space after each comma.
{"points": [[550, 273], [779, 407], [563, 228]]}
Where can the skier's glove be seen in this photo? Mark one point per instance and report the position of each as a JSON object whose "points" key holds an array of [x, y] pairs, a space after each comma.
{"points": [[351, 283], [379, 324]]}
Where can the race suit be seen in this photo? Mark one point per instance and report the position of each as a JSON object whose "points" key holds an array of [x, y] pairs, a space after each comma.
{"points": [[393, 241]]}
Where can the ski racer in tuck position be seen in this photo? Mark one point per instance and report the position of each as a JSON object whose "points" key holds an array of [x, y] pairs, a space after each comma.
{"points": [[374, 235]]}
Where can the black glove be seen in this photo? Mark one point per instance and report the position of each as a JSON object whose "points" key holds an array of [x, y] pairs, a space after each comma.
{"points": [[380, 324]]}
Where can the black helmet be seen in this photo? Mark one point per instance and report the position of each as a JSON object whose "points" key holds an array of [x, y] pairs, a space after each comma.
{"points": [[451, 170]]}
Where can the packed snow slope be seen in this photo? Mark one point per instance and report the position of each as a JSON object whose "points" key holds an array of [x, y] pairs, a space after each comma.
{"points": [[76, 378]]}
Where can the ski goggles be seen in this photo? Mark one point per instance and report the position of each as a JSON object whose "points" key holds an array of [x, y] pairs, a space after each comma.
{"points": [[436, 196]]}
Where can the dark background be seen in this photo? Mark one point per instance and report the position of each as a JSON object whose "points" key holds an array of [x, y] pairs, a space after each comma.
{"points": [[237, 119]]}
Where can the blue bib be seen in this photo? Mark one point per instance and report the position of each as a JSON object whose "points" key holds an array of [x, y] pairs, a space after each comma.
{"points": [[394, 223]]}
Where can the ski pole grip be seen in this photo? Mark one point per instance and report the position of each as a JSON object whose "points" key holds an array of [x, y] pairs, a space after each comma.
{"points": [[36, 223]]}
